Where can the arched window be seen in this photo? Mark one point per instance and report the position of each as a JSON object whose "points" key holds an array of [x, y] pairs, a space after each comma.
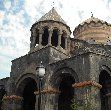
{"points": [[37, 38], [54, 40], [104, 80], [45, 36], [63, 40]]}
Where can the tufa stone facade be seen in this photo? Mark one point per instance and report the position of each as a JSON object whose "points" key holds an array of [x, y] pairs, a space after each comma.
{"points": [[78, 67]]}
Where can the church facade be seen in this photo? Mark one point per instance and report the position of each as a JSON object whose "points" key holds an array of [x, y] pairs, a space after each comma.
{"points": [[76, 68]]}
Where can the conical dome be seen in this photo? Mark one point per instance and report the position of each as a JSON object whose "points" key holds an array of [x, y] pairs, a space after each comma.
{"points": [[53, 16]]}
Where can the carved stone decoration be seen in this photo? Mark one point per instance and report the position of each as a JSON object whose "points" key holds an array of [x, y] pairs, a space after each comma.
{"points": [[87, 83], [12, 102], [49, 91]]}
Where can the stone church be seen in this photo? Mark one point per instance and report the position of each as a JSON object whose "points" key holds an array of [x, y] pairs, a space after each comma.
{"points": [[76, 68]]}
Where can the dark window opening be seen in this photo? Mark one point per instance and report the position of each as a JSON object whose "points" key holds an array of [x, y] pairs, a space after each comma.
{"points": [[103, 80], [37, 40], [29, 98], [54, 38], [67, 93], [45, 37]]}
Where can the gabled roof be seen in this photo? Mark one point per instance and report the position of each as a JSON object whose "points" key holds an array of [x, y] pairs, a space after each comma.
{"points": [[52, 15]]}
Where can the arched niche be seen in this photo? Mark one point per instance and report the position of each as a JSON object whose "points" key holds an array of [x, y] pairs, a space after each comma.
{"points": [[25, 87], [54, 38], [62, 80], [105, 81], [45, 36]]}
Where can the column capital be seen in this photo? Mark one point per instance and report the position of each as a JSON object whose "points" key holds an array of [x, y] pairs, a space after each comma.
{"points": [[60, 32], [87, 83], [48, 91], [41, 31], [50, 30], [13, 97], [33, 31]]}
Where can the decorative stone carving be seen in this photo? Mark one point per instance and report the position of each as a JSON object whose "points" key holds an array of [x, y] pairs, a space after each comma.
{"points": [[13, 97], [87, 83], [50, 91], [12, 102]]}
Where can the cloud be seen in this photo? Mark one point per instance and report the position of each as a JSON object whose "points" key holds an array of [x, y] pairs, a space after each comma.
{"points": [[14, 37], [17, 16], [7, 4]]}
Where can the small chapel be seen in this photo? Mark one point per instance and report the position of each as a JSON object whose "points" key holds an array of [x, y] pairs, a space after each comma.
{"points": [[77, 68]]}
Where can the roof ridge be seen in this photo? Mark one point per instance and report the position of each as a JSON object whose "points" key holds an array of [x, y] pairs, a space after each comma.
{"points": [[52, 15]]}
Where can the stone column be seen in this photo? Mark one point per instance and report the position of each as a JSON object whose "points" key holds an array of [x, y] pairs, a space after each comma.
{"points": [[12, 102], [40, 38], [66, 43], [31, 46], [50, 35], [37, 97], [33, 38], [59, 38], [49, 99], [87, 93]]}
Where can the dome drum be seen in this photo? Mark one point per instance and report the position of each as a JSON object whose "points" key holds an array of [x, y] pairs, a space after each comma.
{"points": [[45, 34], [94, 31]]}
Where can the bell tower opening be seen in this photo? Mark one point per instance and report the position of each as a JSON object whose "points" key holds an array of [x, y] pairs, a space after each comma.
{"points": [[55, 38], [29, 98], [63, 40], [45, 37], [67, 93], [37, 38]]}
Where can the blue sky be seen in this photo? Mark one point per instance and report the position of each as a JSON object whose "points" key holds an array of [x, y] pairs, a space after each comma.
{"points": [[17, 16]]}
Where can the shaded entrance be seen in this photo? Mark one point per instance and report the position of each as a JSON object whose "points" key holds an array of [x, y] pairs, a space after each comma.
{"points": [[104, 80], [29, 98], [67, 93]]}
